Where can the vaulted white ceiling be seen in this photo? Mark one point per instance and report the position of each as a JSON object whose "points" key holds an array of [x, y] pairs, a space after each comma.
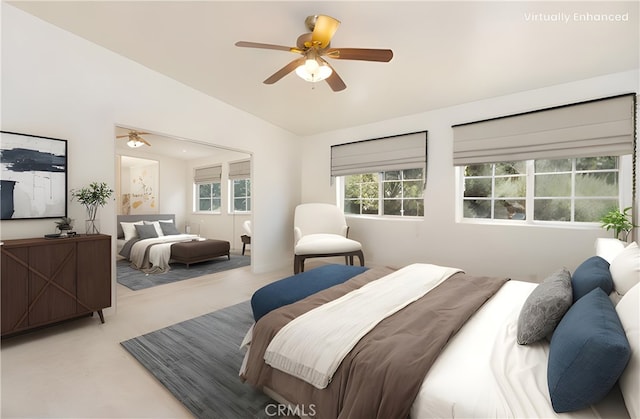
{"points": [[445, 53]]}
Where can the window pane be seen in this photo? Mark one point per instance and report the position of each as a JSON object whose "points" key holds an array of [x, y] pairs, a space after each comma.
{"points": [[511, 168], [412, 174], [591, 210], [239, 188], [369, 206], [553, 185], [414, 207], [204, 190], [393, 175], [217, 203], [478, 169], [509, 209], [204, 205], [549, 166], [370, 190], [239, 204], [552, 210], [216, 189], [477, 208], [412, 189], [392, 189], [351, 206], [597, 163], [597, 184], [513, 186], [477, 188], [392, 206]]}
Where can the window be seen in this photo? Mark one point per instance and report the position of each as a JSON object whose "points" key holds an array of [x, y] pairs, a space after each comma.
{"points": [[394, 193], [208, 197], [240, 195], [562, 190], [240, 186], [207, 189]]}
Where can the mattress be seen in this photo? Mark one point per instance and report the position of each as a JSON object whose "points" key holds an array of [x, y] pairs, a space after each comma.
{"points": [[483, 372]]}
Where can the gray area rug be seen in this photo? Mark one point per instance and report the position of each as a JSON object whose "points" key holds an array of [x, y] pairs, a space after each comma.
{"points": [[198, 362], [137, 280]]}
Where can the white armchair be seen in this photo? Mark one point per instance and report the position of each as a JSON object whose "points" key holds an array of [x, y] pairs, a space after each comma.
{"points": [[320, 230]]}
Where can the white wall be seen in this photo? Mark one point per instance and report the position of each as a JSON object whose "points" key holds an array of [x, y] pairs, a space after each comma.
{"points": [[58, 85], [524, 252]]}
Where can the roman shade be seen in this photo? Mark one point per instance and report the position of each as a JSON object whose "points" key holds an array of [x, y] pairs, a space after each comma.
{"points": [[240, 169], [208, 174], [603, 127], [407, 151]]}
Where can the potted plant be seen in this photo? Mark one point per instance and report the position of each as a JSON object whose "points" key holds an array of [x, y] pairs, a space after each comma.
{"points": [[64, 224], [93, 196], [619, 221]]}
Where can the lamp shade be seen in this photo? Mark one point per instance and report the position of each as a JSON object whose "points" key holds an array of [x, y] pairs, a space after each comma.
{"points": [[313, 71]]}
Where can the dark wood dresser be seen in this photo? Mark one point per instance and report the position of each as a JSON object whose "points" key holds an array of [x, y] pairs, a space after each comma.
{"points": [[45, 281]]}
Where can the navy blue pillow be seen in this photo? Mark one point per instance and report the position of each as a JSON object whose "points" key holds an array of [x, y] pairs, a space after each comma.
{"points": [[587, 354], [291, 289], [591, 274]]}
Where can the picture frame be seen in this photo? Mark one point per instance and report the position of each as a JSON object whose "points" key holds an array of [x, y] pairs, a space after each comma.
{"points": [[33, 176]]}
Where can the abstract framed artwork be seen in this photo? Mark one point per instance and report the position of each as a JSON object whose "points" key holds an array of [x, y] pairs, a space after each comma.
{"points": [[33, 175]]}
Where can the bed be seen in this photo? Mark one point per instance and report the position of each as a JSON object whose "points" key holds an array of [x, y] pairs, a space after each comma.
{"points": [[480, 370], [151, 242]]}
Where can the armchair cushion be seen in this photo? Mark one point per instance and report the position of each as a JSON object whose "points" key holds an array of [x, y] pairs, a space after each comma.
{"points": [[315, 244]]}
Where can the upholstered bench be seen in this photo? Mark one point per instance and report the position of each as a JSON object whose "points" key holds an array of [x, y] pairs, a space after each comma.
{"points": [[199, 251]]}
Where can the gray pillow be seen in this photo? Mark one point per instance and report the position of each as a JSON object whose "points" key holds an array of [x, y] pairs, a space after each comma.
{"points": [[545, 307], [168, 229], [146, 231]]}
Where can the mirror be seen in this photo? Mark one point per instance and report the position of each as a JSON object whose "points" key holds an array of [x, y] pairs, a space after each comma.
{"points": [[157, 177]]}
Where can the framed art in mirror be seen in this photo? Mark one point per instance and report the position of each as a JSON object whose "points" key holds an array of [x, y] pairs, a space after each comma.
{"points": [[33, 175]]}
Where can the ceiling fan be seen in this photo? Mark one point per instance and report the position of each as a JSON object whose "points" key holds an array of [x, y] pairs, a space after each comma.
{"points": [[135, 139], [315, 45]]}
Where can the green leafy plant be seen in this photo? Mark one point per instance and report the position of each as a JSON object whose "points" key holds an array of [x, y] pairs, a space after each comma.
{"points": [[619, 221], [93, 196], [65, 223]]}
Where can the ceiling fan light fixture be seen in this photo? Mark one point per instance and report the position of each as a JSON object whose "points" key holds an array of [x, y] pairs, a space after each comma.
{"points": [[134, 143], [313, 71]]}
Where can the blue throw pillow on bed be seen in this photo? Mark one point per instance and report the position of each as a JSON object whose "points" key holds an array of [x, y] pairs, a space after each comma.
{"points": [[587, 354], [591, 274], [147, 231]]}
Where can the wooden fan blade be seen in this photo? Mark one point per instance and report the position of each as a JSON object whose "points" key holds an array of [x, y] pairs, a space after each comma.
{"points": [[363, 54], [324, 29], [284, 71], [143, 140], [334, 80], [246, 44]]}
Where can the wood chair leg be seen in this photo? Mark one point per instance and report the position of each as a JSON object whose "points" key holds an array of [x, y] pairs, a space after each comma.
{"points": [[243, 246]]}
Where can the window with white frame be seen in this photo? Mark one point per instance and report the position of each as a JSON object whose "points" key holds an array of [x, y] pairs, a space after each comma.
{"points": [[207, 189], [240, 195], [564, 190], [395, 192], [240, 186], [383, 176], [569, 164], [208, 197]]}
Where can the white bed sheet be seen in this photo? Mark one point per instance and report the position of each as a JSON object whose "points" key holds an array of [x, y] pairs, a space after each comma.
{"points": [[484, 373]]}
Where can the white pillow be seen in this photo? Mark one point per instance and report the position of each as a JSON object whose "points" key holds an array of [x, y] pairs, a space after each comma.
{"points": [[156, 225], [129, 229], [628, 313], [625, 269], [609, 248]]}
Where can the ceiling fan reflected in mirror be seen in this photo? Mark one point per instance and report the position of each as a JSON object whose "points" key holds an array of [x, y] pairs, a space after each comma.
{"points": [[134, 139], [314, 47]]}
